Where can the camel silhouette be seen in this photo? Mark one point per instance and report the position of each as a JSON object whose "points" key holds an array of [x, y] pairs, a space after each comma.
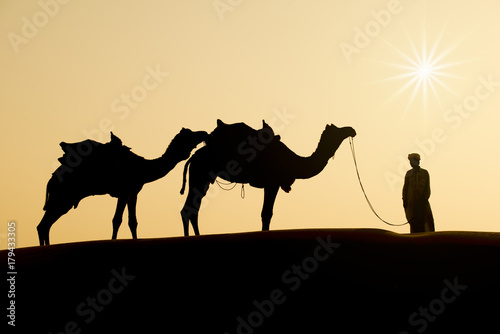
{"points": [[90, 168], [238, 153]]}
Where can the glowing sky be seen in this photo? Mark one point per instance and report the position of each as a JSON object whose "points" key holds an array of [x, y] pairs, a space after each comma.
{"points": [[408, 75]]}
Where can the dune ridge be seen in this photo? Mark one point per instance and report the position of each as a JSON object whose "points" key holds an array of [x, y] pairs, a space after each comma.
{"points": [[314, 280]]}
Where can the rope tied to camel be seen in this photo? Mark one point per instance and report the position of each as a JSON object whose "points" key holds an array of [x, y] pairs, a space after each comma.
{"points": [[351, 143], [227, 186]]}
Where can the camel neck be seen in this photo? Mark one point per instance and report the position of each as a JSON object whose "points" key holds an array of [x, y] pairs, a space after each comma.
{"points": [[157, 168], [307, 167]]}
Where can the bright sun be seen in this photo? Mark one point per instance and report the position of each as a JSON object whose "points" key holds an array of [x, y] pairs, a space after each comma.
{"points": [[423, 71]]}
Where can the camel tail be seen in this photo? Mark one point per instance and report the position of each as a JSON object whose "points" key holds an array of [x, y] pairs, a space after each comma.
{"points": [[184, 176], [46, 198]]}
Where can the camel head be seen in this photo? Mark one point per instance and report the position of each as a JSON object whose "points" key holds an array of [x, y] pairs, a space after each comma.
{"points": [[185, 141], [333, 136]]}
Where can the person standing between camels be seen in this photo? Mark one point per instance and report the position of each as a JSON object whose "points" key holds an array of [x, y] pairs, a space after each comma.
{"points": [[416, 193]]}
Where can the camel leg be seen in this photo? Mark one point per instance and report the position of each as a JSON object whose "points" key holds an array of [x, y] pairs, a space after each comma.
{"points": [[188, 215], [267, 209], [199, 181], [132, 219], [49, 218], [194, 223], [117, 219], [185, 220], [198, 187], [189, 212]]}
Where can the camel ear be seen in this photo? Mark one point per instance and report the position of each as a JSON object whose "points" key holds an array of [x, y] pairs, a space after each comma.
{"points": [[115, 139], [266, 127], [220, 123]]}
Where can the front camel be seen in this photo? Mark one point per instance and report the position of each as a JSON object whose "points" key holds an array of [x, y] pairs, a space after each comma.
{"points": [[238, 153]]}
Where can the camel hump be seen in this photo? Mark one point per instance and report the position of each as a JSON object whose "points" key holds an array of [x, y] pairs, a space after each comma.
{"points": [[83, 148], [74, 152], [235, 137], [88, 150], [237, 131]]}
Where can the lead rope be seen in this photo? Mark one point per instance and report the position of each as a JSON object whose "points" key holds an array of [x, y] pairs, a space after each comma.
{"points": [[351, 143]]}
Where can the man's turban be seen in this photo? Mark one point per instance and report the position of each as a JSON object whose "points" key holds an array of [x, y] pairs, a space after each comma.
{"points": [[415, 156]]}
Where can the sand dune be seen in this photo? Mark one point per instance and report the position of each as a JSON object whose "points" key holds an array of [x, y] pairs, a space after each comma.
{"points": [[311, 281]]}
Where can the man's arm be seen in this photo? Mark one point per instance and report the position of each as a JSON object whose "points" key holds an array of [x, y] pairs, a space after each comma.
{"points": [[405, 191], [427, 190]]}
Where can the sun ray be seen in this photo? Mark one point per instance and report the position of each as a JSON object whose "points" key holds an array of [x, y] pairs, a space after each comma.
{"points": [[392, 78], [402, 89], [424, 47], [433, 89], [438, 42], [407, 67], [436, 75], [401, 53], [452, 47], [460, 62], [413, 95], [413, 48]]}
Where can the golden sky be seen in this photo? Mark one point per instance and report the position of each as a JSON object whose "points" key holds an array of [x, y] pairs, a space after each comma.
{"points": [[408, 75]]}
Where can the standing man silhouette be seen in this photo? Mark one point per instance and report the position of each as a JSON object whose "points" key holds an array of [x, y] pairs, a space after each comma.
{"points": [[416, 193]]}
